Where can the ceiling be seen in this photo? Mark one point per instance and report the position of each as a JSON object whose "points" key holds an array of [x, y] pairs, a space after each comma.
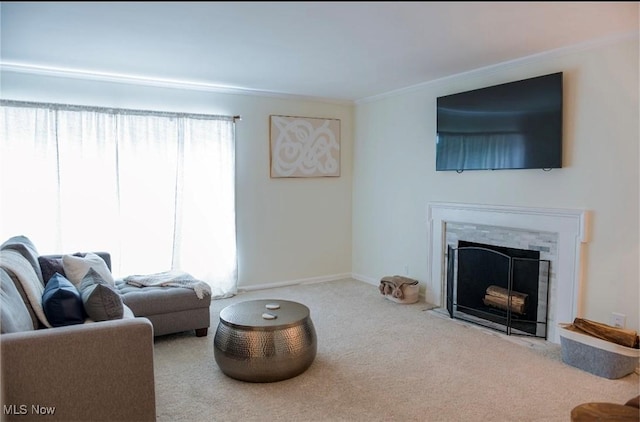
{"points": [[343, 51]]}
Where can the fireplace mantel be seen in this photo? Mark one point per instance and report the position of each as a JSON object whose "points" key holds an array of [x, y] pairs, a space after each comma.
{"points": [[570, 226]]}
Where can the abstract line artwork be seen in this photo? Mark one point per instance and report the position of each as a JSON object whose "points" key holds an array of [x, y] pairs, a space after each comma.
{"points": [[304, 147]]}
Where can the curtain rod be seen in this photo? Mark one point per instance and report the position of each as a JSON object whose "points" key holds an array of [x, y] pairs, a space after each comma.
{"points": [[112, 110]]}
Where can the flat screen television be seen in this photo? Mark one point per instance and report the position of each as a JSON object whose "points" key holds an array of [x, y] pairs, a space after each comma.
{"points": [[516, 125]]}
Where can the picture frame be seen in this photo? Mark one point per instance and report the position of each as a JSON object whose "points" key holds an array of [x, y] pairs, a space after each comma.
{"points": [[304, 147]]}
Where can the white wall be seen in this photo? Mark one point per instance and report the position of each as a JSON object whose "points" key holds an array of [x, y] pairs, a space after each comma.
{"points": [[289, 230], [395, 177]]}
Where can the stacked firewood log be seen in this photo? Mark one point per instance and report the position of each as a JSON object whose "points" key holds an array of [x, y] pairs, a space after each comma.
{"points": [[621, 336], [501, 298]]}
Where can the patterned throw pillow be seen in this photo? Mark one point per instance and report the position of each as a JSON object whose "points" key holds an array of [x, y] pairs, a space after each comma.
{"points": [[61, 302], [101, 300]]}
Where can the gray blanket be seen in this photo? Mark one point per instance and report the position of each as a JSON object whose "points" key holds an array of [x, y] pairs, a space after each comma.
{"points": [[14, 262], [171, 278]]}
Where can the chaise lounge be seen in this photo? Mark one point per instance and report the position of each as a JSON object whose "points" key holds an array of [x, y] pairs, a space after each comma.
{"points": [[93, 369]]}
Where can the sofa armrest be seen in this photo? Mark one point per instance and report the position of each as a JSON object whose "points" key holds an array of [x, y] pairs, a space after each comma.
{"points": [[94, 371]]}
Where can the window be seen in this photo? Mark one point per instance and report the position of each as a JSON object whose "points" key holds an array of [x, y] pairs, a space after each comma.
{"points": [[156, 190]]}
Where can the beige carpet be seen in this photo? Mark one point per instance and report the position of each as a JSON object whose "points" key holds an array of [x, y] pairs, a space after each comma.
{"points": [[381, 361]]}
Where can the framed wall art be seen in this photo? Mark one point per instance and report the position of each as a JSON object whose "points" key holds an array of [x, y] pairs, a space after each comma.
{"points": [[304, 147]]}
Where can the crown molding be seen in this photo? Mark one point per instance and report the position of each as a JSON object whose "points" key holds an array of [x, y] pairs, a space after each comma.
{"points": [[27, 68]]}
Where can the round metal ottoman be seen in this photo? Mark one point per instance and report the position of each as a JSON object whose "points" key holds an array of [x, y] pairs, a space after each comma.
{"points": [[265, 340]]}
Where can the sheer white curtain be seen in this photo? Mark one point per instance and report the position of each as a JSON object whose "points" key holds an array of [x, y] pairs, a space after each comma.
{"points": [[156, 190]]}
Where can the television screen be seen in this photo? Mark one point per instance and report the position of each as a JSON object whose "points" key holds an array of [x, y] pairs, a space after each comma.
{"points": [[516, 125]]}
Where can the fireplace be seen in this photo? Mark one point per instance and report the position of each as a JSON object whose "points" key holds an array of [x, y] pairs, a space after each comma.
{"points": [[498, 287], [558, 234]]}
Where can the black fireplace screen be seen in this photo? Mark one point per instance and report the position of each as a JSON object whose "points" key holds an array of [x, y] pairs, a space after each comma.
{"points": [[501, 288]]}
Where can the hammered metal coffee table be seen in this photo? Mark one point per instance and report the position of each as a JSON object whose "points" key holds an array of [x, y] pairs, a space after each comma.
{"points": [[265, 340]]}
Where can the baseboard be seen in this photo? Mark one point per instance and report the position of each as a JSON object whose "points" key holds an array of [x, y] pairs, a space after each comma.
{"points": [[369, 280], [310, 280]]}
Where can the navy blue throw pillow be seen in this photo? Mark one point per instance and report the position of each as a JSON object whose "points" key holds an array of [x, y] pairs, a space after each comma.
{"points": [[61, 302]]}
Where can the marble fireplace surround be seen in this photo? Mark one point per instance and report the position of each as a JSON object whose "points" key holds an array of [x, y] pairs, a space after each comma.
{"points": [[570, 227]]}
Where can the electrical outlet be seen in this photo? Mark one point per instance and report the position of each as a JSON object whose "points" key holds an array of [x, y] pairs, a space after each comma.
{"points": [[618, 320]]}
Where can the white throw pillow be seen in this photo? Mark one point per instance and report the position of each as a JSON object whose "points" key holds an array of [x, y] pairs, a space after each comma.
{"points": [[76, 267]]}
